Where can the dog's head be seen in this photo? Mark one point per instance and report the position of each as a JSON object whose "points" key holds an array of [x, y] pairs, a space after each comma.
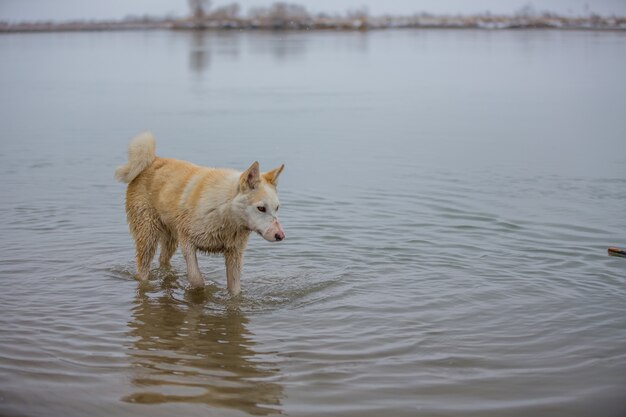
{"points": [[259, 202]]}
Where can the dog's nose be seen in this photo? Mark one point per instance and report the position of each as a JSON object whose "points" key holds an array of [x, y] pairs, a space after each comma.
{"points": [[279, 236]]}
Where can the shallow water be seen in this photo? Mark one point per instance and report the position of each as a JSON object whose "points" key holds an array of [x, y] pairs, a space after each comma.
{"points": [[448, 199]]}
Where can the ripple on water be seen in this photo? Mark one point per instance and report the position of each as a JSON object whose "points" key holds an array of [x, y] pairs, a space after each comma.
{"points": [[431, 268]]}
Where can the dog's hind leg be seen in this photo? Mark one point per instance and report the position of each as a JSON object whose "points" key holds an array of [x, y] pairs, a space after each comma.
{"points": [[146, 243], [168, 248], [146, 230]]}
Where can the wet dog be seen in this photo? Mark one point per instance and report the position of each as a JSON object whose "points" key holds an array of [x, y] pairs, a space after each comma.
{"points": [[171, 203]]}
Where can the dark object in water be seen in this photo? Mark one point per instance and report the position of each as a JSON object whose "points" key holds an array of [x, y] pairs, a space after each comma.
{"points": [[617, 252]]}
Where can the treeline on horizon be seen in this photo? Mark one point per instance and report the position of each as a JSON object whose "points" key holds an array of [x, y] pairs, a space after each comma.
{"points": [[287, 16]]}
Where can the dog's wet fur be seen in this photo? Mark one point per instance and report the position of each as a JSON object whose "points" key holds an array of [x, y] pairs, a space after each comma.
{"points": [[171, 203]]}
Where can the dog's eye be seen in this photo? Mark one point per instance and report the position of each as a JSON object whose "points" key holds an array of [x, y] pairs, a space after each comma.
{"points": [[261, 209], [277, 207]]}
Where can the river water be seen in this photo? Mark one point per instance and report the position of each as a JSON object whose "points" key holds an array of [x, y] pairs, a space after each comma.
{"points": [[448, 200]]}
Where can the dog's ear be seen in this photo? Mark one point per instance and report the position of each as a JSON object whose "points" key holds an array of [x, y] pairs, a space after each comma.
{"points": [[250, 178], [272, 176]]}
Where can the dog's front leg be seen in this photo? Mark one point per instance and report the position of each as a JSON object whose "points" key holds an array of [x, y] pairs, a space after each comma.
{"points": [[234, 262], [193, 271]]}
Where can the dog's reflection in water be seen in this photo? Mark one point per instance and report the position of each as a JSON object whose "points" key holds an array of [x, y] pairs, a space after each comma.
{"points": [[185, 353]]}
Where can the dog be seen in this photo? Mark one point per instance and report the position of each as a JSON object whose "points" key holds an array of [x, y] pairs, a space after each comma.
{"points": [[175, 203]]}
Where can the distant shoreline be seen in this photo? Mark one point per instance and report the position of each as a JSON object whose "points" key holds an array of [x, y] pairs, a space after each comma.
{"points": [[302, 22]]}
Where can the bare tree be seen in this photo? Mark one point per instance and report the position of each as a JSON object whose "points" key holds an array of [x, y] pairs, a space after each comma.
{"points": [[199, 8], [358, 17], [228, 12], [281, 15], [526, 11]]}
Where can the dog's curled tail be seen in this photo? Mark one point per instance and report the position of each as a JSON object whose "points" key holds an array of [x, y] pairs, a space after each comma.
{"points": [[140, 156]]}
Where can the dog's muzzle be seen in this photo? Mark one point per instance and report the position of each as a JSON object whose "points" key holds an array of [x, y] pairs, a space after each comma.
{"points": [[274, 233]]}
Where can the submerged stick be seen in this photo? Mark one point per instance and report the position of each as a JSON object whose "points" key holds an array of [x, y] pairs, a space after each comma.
{"points": [[617, 252]]}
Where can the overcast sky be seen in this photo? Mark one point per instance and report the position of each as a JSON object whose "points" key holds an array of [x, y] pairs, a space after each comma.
{"points": [[17, 10]]}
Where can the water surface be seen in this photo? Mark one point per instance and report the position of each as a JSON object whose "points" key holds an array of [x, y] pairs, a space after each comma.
{"points": [[448, 199]]}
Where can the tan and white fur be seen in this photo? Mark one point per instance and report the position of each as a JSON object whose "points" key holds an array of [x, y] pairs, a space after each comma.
{"points": [[175, 203]]}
